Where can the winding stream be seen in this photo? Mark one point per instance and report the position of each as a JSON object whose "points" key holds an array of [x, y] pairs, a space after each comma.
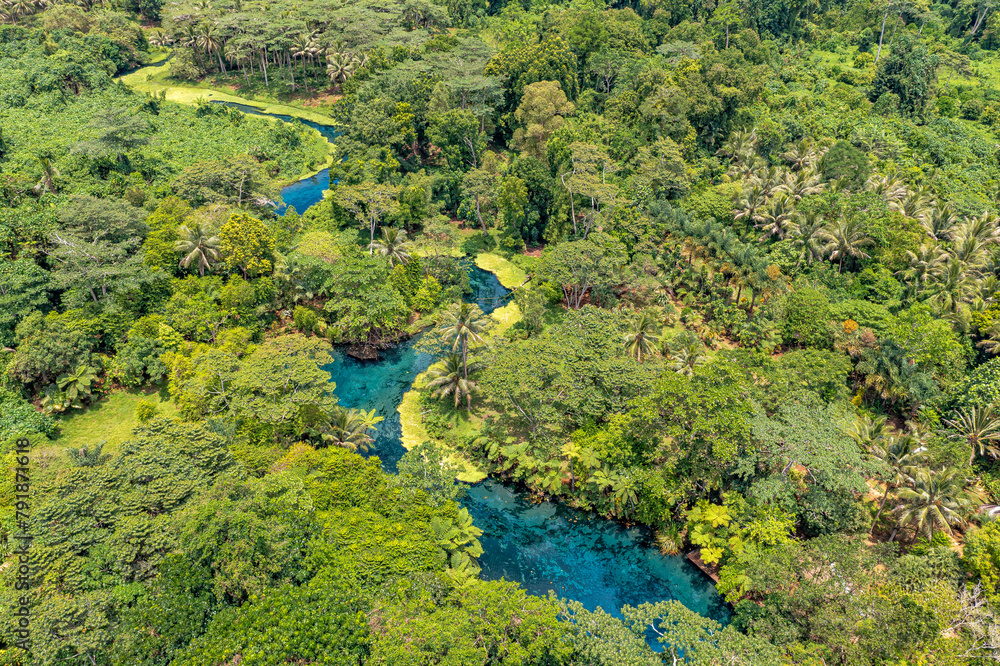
{"points": [[543, 546]]}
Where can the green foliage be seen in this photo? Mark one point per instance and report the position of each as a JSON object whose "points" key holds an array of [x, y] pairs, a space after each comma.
{"points": [[19, 417], [247, 244], [807, 317], [320, 623], [844, 162], [907, 71], [981, 557]]}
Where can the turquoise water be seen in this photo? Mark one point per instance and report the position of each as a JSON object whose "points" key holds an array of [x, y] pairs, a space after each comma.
{"points": [[541, 545], [306, 192]]}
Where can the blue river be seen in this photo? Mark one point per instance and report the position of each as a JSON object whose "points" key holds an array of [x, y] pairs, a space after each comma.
{"points": [[541, 545]]}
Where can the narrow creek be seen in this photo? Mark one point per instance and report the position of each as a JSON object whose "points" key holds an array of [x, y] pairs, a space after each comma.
{"points": [[543, 546]]}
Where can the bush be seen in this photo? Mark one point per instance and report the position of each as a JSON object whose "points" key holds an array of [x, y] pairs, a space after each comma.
{"points": [[844, 161], [864, 60], [807, 317], [982, 558], [18, 417], [146, 410], [972, 109], [305, 319]]}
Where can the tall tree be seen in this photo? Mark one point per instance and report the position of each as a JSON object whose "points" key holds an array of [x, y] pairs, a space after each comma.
{"points": [[369, 202]]}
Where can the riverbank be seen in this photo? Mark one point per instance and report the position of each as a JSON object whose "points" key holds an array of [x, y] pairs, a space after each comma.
{"points": [[155, 78]]}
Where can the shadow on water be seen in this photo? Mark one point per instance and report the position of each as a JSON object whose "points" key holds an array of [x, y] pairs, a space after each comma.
{"points": [[542, 546]]}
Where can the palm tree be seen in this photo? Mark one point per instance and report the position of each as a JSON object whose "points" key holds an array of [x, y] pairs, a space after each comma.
{"points": [[739, 144], [939, 221], [951, 284], [210, 42], [918, 204], [894, 376], [900, 453], [301, 48], [777, 215], [802, 184], [200, 244], [749, 204], [686, 353], [47, 183], [339, 67], [448, 377], [971, 238], [644, 336], [980, 427], [160, 38], [237, 53], [844, 238], [393, 245], [348, 428], [463, 321], [889, 186], [936, 500], [807, 231], [801, 155], [924, 264], [991, 339]]}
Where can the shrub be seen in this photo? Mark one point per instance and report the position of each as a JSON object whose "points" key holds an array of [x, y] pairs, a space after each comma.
{"points": [[305, 319], [807, 317], [146, 410]]}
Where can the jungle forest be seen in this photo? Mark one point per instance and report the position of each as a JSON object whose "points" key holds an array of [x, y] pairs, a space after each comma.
{"points": [[499, 332]]}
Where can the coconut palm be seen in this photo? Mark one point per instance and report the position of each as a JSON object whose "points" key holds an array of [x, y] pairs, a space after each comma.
{"points": [[461, 322], [302, 48], [936, 500], [951, 285], [980, 427], [776, 216], [199, 244], [348, 428], [917, 204], [393, 245], [939, 221], [686, 353], [802, 184], [238, 54], [160, 38], [211, 42], [900, 453], [749, 204], [450, 377], [889, 186], [991, 339], [641, 341], [924, 264], [339, 67], [740, 142], [800, 155], [971, 238], [807, 231], [844, 238]]}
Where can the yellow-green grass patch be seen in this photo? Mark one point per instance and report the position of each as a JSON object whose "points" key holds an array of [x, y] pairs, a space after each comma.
{"points": [[510, 275], [111, 419], [505, 317], [415, 434]]}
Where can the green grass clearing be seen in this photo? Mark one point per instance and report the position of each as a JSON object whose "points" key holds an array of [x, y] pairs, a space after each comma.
{"points": [[414, 433], [510, 276], [111, 419]]}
